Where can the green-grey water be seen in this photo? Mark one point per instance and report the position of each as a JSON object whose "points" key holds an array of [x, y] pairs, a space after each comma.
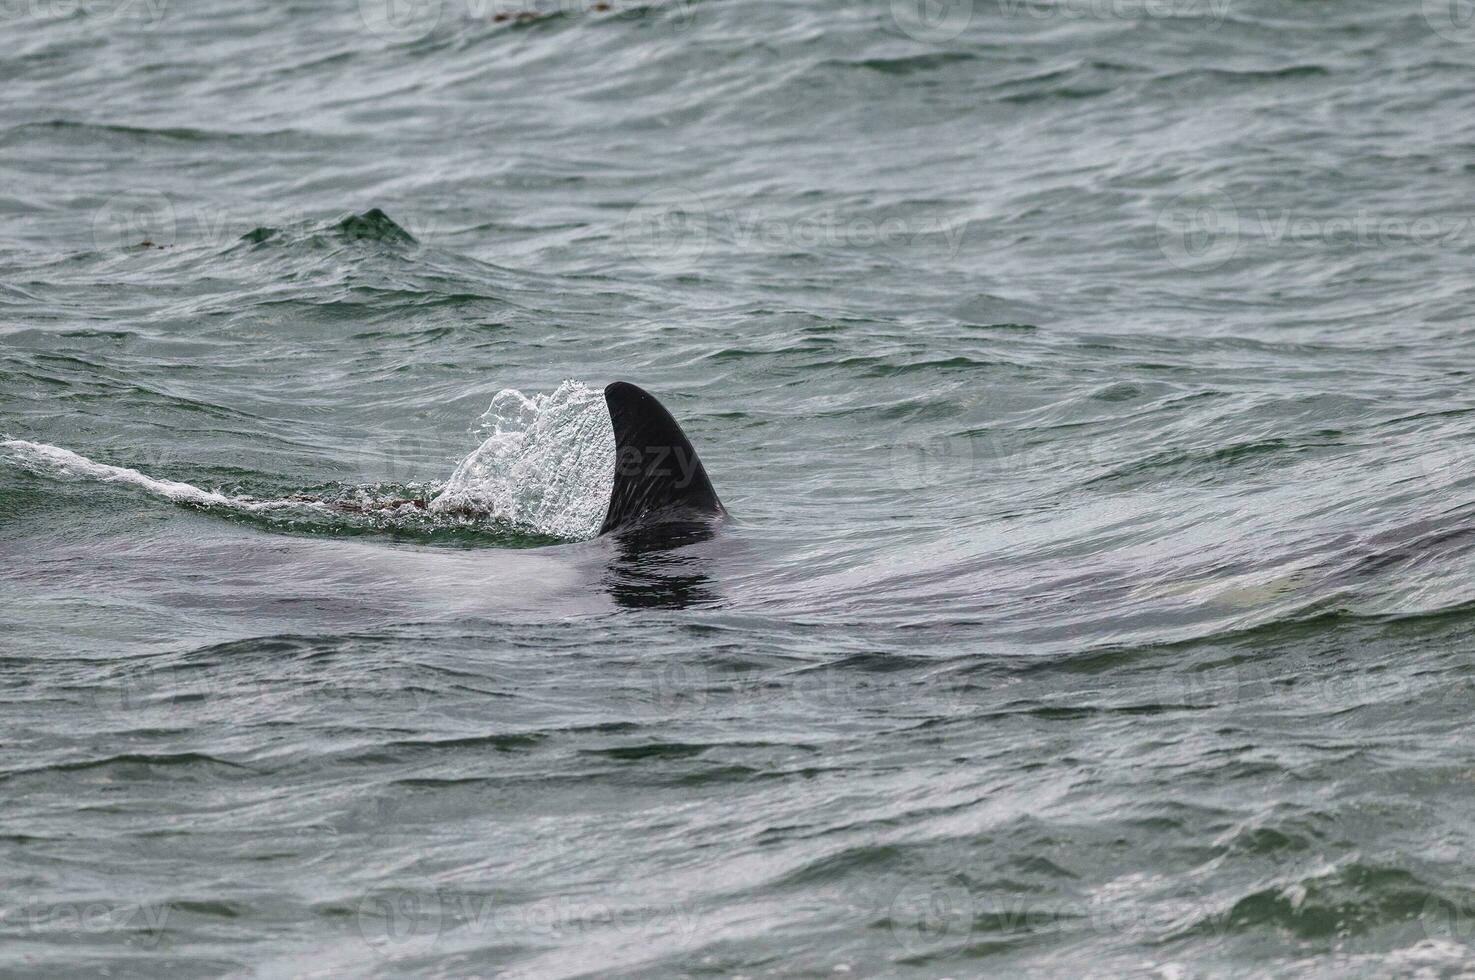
{"points": [[1090, 383]]}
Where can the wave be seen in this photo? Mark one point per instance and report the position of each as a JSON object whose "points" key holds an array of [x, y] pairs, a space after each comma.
{"points": [[372, 225]]}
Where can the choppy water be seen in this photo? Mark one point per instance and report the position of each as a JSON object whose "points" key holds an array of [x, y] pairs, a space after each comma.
{"points": [[1090, 381]]}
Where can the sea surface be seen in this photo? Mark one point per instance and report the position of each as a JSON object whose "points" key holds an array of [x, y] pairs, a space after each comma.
{"points": [[1090, 382]]}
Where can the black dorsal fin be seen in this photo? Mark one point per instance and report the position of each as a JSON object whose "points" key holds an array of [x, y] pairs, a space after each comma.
{"points": [[657, 473]]}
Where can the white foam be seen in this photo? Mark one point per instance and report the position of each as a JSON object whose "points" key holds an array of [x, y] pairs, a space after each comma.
{"points": [[57, 462]]}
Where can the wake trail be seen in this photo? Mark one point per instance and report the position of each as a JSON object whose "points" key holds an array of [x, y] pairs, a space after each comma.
{"points": [[544, 466], [55, 461]]}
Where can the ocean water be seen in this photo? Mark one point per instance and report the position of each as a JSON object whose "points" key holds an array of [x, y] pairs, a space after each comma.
{"points": [[1090, 382]]}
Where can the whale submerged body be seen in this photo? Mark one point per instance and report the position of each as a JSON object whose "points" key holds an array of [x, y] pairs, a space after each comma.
{"points": [[661, 504]]}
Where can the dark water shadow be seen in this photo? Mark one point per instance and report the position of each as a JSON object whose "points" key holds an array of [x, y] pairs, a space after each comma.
{"points": [[654, 567]]}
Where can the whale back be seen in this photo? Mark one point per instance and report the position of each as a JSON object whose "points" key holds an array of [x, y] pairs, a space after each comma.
{"points": [[658, 477]]}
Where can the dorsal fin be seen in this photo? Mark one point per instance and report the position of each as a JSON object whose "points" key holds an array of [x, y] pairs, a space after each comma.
{"points": [[657, 472]]}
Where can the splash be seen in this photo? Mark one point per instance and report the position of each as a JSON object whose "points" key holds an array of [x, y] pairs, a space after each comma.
{"points": [[545, 463], [543, 469]]}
